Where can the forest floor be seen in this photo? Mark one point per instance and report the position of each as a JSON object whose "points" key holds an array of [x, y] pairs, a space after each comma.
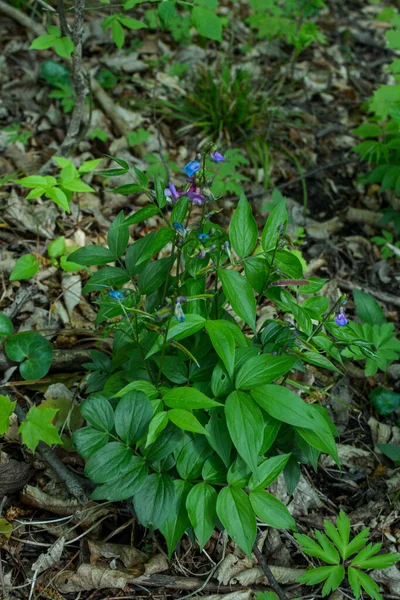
{"points": [[312, 105]]}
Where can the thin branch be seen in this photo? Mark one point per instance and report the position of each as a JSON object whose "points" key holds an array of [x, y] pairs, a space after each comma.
{"points": [[69, 478], [65, 30], [72, 134], [268, 573]]}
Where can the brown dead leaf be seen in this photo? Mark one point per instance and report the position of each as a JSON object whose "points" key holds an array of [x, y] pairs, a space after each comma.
{"points": [[129, 556], [48, 559]]}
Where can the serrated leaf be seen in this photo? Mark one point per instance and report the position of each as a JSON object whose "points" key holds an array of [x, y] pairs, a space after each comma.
{"points": [[6, 410], [38, 427]]}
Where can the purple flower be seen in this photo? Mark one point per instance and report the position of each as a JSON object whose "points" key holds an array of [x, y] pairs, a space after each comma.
{"points": [[171, 191], [116, 295], [179, 314], [192, 167], [196, 198], [217, 157], [340, 318]]}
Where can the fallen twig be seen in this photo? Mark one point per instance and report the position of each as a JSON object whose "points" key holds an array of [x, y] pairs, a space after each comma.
{"points": [[63, 360], [382, 296], [268, 573]]}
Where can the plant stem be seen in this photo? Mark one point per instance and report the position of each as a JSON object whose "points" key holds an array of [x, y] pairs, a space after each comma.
{"points": [[271, 579]]}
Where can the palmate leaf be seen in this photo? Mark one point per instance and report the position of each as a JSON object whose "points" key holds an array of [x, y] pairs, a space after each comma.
{"points": [[311, 548], [38, 427]]}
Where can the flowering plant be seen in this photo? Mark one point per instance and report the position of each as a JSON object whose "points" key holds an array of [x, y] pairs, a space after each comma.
{"points": [[190, 417]]}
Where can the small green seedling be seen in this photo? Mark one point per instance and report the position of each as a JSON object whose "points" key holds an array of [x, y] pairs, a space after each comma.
{"points": [[338, 556]]}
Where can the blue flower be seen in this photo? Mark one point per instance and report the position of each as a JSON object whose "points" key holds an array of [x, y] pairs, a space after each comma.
{"points": [[203, 237], [192, 167], [179, 314], [217, 157], [115, 294], [340, 318], [179, 228]]}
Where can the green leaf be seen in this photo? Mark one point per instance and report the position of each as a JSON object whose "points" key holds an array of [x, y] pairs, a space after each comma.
{"points": [[237, 516], [35, 349], [106, 278], [186, 420], [170, 440], [319, 574], [214, 470], [238, 473], [129, 481], [118, 34], [57, 247], [188, 398], [64, 47], [192, 457], [246, 426], [132, 417], [140, 215], [76, 185], [240, 295], [288, 263], [201, 506], [358, 580], [88, 440], [38, 427], [219, 438], [131, 23], [314, 358], [385, 401], [267, 472], [262, 369], [108, 462], [58, 197], [154, 274], [207, 23], [277, 217], [43, 42], [98, 412], [391, 451], [368, 130], [243, 230], [118, 235], [142, 385], [271, 510], [6, 410], [178, 520], [6, 326], [180, 209], [26, 266], [167, 13], [156, 426], [368, 309], [284, 405], [155, 500], [91, 256], [89, 165], [223, 341]]}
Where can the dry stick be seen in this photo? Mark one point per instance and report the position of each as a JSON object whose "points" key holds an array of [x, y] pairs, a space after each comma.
{"points": [[268, 573], [72, 134], [382, 296], [71, 481]]}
